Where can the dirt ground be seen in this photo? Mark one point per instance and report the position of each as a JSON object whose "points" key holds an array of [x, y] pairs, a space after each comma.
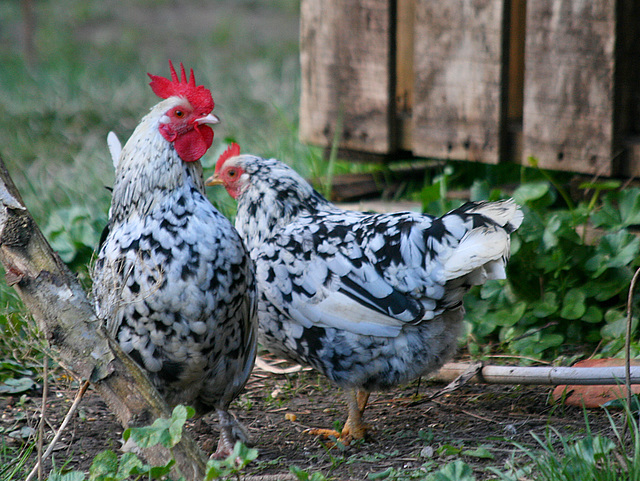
{"points": [[412, 433]]}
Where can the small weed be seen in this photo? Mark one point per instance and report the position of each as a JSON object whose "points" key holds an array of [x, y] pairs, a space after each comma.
{"points": [[593, 456], [108, 466], [304, 475]]}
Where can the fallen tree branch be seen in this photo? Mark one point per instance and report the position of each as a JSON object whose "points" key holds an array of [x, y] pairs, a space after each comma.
{"points": [[541, 375], [67, 318]]}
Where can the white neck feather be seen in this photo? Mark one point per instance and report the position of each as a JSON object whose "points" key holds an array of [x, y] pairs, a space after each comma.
{"points": [[149, 169]]}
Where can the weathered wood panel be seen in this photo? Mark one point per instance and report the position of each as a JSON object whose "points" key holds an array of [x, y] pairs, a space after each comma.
{"points": [[458, 92], [405, 40], [346, 61], [628, 85], [569, 85]]}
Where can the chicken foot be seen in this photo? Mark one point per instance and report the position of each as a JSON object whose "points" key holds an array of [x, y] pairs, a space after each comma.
{"points": [[353, 428]]}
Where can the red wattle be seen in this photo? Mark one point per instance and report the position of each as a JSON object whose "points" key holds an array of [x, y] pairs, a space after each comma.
{"points": [[192, 145]]}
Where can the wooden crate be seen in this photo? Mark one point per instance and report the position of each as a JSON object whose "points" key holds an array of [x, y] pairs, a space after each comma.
{"points": [[479, 80]]}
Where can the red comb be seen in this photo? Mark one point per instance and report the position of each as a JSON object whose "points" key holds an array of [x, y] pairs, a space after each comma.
{"points": [[232, 151], [199, 97]]}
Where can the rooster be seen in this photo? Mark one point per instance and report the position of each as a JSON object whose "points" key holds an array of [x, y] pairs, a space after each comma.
{"points": [[173, 281], [369, 300]]}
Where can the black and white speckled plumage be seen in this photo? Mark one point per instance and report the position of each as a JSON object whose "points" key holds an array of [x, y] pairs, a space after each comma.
{"points": [[370, 300], [173, 280]]}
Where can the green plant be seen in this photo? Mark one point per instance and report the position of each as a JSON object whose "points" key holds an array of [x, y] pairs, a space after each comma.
{"points": [[303, 475], [108, 466], [14, 462], [561, 287], [593, 457], [455, 471]]}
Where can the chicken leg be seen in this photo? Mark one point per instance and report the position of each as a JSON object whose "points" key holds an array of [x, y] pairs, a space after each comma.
{"points": [[353, 428]]}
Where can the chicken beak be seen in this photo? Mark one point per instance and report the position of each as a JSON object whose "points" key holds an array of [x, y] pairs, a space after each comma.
{"points": [[213, 180], [208, 119]]}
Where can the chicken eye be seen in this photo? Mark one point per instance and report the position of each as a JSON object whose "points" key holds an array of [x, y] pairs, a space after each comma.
{"points": [[232, 173], [179, 114]]}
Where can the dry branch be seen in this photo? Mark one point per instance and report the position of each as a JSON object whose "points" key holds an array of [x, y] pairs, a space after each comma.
{"points": [[541, 375], [65, 315]]}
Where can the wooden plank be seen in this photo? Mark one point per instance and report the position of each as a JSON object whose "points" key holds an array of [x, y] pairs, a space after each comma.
{"points": [[405, 40], [569, 85], [628, 86], [515, 84], [458, 91], [346, 60]]}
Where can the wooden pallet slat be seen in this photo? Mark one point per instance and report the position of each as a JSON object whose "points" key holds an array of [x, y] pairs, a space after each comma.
{"points": [[479, 80], [458, 90], [569, 85], [346, 62]]}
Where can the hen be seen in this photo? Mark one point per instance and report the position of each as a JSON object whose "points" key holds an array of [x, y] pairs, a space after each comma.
{"points": [[369, 300], [173, 281]]}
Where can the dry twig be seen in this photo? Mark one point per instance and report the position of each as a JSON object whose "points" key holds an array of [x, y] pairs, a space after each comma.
{"points": [[76, 402]]}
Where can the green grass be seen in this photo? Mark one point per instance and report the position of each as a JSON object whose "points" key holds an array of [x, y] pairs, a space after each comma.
{"points": [[593, 457]]}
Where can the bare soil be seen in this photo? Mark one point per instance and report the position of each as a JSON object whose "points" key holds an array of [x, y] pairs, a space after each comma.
{"points": [[412, 433]]}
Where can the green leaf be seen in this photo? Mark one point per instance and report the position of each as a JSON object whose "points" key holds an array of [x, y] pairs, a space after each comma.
{"points": [[480, 452], [546, 306], [70, 476], [531, 191], [159, 472], [382, 474], [17, 386], [480, 190], [604, 185], [533, 342], [629, 205], [243, 453], [607, 285], [593, 315], [104, 466], [620, 209], [616, 326], [573, 304], [455, 471], [167, 432], [550, 236], [508, 316], [430, 194], [130, 464], [449, 450]]}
